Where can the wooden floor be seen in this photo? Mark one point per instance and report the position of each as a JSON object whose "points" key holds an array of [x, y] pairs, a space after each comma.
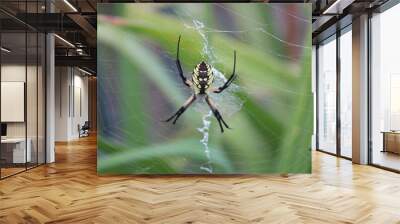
{"points": [[70, 191], [5, 172]]}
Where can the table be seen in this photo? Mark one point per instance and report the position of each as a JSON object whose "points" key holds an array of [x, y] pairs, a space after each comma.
{"points": [[17, 150], [391, 141]]}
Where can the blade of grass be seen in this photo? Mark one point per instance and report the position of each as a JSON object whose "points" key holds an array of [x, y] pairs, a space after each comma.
{"points": [[188, 149]]}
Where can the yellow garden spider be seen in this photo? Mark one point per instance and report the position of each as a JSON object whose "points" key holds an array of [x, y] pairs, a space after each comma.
{"points": [[202, 78]]}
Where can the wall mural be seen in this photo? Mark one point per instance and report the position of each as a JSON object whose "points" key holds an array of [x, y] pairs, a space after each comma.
{"points": [[204, 88]]}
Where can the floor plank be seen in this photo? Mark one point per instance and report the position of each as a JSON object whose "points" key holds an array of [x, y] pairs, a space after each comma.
{"points": [[69, 191]]}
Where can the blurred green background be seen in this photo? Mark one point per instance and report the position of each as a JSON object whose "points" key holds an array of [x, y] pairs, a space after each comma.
{"points": [[269, 107]]}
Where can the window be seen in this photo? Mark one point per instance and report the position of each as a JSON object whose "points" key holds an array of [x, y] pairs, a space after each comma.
{"points": [[22, 77], [327, 95], [385, 89], [346, 92]]}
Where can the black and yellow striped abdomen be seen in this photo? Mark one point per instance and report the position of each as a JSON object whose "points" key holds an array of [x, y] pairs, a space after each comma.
{"points": [[202, 77]]}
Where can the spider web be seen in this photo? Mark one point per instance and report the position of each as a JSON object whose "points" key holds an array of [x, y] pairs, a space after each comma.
{"points": [[227, 102]]}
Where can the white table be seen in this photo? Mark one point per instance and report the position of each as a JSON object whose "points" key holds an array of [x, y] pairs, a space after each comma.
{"points": [[19, 155]]}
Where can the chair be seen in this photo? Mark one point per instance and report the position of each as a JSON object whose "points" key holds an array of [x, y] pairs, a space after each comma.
{"points": [[84, 130]]}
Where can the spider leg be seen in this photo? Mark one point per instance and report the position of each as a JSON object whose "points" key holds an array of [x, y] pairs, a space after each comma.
{"points": [[216, 114], [188, 102], [231, 79], [178, 64]]}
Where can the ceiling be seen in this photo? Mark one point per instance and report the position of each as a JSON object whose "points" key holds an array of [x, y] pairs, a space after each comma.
{"points": [[75, 22]]}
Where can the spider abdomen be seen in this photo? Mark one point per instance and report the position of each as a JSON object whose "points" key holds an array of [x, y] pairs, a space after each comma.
{"points": [[202, 77]]}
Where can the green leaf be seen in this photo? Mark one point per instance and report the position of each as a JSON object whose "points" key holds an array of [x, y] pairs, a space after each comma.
{"points": [[157, 156]]}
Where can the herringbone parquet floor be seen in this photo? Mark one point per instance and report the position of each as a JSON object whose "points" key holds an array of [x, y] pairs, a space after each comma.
{"points": [[69, 191]]}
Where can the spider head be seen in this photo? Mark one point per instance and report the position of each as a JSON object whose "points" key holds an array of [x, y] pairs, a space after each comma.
{"points": [[202, 69]]}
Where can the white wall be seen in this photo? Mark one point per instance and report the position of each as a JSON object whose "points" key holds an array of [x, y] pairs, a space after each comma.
{"points": [[71, 93], [13, 72], [33, 127], [80, 109], [16, 73], [62, 82]]}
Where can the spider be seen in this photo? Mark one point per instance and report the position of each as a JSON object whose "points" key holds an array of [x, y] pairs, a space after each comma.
{"points": [[202, 78]]}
